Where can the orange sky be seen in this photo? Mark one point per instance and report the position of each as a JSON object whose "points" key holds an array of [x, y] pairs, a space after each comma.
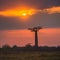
{"points": [[47, 36], [33, 13]]}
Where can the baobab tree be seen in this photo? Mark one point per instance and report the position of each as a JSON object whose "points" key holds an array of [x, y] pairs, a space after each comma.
{"points": [[35, 30]]}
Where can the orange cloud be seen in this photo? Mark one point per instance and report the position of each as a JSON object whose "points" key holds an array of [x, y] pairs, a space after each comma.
{"points": [[18, 12], [52, 10], [21, 12]]}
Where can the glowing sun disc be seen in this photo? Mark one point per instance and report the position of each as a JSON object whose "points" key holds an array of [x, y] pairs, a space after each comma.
{"points": [[24, 14]]}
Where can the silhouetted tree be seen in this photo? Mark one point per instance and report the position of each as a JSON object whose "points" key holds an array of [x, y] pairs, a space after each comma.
{"points": [[28, 46], [6, 46], [15, 46]]}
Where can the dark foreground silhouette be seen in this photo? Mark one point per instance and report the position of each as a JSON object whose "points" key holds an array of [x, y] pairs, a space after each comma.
{"points": [[29, 53], [7, 48]]}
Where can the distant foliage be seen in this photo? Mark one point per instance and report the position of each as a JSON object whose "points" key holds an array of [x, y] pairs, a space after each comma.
{"points": [[6, 46]]}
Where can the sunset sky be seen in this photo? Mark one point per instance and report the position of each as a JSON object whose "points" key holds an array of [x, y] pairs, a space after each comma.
{"points": [[16, 16]]}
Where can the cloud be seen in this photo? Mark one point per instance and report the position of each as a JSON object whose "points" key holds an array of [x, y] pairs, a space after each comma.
{"points": [[15, 7], [52, 10], [38, 4], [7, 23], [18, 12], [43, 13], [44, 20], [28, 11]]}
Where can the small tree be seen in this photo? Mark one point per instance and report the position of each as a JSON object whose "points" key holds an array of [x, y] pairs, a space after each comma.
{"points": [[6, 46], [28, 45], [15, 46]]}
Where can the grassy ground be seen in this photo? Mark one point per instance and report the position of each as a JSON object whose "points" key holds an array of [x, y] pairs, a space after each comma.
{"points": [[31, 56]]}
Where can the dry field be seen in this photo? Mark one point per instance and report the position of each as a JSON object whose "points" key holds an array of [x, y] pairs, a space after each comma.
{"points": [[35, 55]]}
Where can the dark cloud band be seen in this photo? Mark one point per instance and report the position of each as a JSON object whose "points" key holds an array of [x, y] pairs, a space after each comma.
{"points": [[44, 20]]}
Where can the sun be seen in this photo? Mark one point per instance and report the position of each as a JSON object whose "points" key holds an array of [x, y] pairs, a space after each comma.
{"points": [[24, 14]]}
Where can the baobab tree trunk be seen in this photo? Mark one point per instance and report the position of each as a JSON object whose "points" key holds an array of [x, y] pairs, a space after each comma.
{"points": [[36, 38]]}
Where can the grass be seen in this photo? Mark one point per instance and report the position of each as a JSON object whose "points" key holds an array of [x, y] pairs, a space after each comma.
{"points": [[31, 56]]}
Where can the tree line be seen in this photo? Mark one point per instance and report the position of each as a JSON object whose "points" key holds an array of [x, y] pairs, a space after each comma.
{"points": [[16, 49]]}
